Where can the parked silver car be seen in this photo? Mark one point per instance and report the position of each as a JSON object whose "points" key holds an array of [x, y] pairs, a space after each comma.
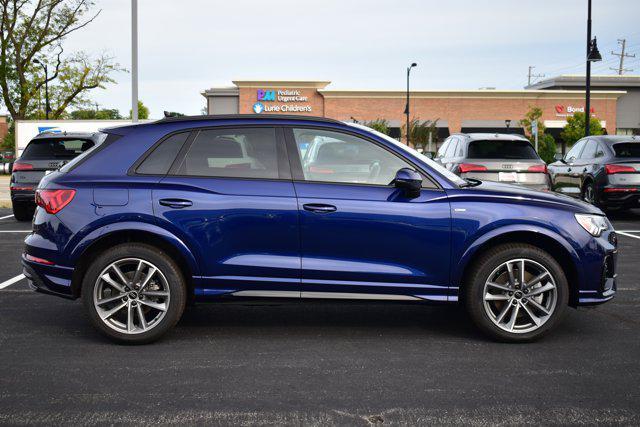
{"points": [[505, 158]]}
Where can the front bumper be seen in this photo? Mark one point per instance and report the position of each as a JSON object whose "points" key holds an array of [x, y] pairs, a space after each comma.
{"points": [[606, 288]]}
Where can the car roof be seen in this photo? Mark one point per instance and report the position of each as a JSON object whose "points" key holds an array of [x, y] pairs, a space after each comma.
{"points": [[492, 136], [613, 139], [121, 130], [64, 135]]}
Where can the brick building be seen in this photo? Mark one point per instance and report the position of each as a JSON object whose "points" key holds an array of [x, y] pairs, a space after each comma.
{"points": [[456, 110], [4, 127]]}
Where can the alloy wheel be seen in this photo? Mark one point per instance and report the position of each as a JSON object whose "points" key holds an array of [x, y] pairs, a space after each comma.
{"points": [[520, 296], [131, 296]]}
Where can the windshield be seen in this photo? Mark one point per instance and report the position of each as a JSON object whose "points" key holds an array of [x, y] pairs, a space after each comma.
{"points": [[55, 148], [627, 149], [77, 159], [439, 168], [483, 149]]}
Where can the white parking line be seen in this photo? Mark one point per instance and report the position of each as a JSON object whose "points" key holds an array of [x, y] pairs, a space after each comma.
{"points": [[5, 217], [11, 281], [628, 234]]}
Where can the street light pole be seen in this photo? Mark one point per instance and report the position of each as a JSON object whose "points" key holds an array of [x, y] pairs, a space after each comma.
{"points": [[134, 61], [47, 106], [587, 103], [593, 55], [406, 110]]}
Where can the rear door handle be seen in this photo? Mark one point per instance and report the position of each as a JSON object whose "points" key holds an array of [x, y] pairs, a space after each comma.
{"points": [[176, 203], [319, 208]]}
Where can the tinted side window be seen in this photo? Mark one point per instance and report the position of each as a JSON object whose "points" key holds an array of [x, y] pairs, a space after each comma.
{"points": [[589, 151], [575, 151], [233, 153], [627, 149], [328, 156], [161, 158], [600, 151]]}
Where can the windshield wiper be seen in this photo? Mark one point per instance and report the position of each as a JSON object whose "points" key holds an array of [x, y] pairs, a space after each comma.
{"points": [[470, 182]]}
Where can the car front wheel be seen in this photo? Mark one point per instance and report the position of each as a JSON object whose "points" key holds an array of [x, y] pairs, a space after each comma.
{"points": [[134, 293], [516, 293]]}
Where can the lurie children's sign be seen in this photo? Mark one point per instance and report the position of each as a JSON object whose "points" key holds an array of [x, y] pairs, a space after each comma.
{"points": [[285, 101]]}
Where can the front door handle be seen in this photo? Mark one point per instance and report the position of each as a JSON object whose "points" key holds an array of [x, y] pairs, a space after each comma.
{"points": [[176, 203], [319, 208]]}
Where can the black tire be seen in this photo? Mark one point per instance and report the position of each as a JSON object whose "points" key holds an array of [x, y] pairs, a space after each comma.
{"points": [[588, 193], [23, 211], [474, 288], [168, 268]]}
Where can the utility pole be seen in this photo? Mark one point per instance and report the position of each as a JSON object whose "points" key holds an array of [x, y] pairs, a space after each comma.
{"points": [[134, 61], [532, 76], [622, 55]]}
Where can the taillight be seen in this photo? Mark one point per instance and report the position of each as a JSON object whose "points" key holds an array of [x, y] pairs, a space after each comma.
{"points": [[613, 169], [469, 167], [54, 200], [538, 168], [18, 166]]}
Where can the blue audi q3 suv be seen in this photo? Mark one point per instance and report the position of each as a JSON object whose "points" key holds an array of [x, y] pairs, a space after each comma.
{"points": [[220, 208]]}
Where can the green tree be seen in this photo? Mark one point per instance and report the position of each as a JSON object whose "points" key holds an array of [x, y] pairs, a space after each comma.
{"points": [[104, 114], [35, 30], [381, 125], [420, 131], [546, 143], [574, 129], [143, 111], [8, 142]]}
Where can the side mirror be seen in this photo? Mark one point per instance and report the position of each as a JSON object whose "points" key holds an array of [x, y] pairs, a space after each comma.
{"points": [[558, 157], [409, 181]]}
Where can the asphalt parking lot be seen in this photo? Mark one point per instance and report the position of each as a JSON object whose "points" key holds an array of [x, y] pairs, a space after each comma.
{"points": [[317, 363]]}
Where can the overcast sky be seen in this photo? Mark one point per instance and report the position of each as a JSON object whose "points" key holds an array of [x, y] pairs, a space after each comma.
{"points": [[187, 46]]}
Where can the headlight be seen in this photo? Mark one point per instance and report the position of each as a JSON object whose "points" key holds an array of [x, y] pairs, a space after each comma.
{"points": [[594, 224]]}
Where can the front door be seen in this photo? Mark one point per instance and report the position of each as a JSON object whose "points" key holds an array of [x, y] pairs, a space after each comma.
{"points": [[360, 236], [566, 175], [230, 197]]}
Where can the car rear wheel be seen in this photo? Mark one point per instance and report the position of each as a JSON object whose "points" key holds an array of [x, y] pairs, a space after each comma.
{"points": [[516, 293], [23, 211], [134, 293]]}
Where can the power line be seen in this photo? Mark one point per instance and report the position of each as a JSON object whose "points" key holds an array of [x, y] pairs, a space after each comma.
{"points": [[532, 76], [622, 55]]}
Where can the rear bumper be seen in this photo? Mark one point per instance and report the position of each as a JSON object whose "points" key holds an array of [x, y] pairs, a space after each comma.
{"points": [[536, 181], [23, 195], [49, 279], [627, 197]]}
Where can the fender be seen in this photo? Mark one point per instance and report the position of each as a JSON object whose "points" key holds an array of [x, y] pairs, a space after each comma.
{"points": [[476, 244], [111, 228]]}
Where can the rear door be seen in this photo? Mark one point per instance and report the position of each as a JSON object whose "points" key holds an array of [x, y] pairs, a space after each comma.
{"points": [[46, 154], [627, 155], [360, 237], [229, 195], [510, 161]]}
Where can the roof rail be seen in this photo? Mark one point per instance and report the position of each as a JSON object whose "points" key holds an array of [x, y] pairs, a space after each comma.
{"points": [[247, 117]]}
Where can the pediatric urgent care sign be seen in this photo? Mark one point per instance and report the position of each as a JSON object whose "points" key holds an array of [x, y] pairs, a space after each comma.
{"points": [[281, 101]]}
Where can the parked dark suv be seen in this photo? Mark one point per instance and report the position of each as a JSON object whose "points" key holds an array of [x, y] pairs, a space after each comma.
{"points": [[44, 153], [226, 208], [602, 170], [496, 157]]}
